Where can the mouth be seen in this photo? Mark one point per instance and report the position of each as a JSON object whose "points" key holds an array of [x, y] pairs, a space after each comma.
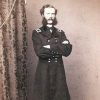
{"points": [[50, 19]]}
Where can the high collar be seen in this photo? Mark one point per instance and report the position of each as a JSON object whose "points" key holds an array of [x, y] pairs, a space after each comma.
{"points": [[46, 28], [46, 31]]}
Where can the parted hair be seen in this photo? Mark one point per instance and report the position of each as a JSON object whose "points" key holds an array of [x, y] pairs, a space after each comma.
{"points": [[47, 6]]}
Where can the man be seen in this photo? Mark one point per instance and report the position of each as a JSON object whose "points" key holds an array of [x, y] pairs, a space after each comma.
{"points": [[50, 44]]}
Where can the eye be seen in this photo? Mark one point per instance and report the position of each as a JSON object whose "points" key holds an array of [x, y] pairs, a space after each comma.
{"points": [[53, 13]]}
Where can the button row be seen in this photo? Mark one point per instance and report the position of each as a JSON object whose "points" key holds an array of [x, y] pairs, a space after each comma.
{"points": [[54, 52], [55, 40], [55, 60]]}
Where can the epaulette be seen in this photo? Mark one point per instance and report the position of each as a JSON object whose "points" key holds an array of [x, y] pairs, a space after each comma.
{"points": [[59, 30], [38, 30]]}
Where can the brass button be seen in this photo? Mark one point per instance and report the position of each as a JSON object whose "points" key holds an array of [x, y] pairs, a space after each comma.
{"points": [[49, 60], [56, 60], [48, 40], [56, 40], [54, 52], [57, 52]]}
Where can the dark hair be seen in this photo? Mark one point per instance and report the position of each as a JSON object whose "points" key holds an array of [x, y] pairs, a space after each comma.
{"points": [[44, 21], [47, 6]]}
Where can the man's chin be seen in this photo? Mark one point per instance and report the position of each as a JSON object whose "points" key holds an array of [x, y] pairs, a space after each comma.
{"points": [[49, 22]]}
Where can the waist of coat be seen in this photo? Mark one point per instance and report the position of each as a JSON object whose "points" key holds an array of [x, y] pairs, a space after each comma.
{"points": [[51, 59]]}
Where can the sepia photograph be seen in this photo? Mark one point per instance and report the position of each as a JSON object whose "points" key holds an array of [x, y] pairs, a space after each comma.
{"points": [[49, 49]]}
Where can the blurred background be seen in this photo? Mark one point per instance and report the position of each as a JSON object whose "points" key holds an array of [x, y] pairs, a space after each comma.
{"points": [[80, 19]]}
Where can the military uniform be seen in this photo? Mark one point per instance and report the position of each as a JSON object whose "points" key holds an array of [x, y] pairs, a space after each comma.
{"points": [[50, 80]]}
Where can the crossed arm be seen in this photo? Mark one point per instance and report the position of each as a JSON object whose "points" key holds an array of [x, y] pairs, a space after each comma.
{"points": [[57, 49]]}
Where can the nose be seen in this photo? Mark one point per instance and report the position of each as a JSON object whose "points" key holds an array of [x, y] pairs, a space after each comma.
{"points": [[50, 15]]}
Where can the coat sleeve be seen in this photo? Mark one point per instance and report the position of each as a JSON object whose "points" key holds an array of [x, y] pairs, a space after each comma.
{"points": [[38, 47], [64, 49]]}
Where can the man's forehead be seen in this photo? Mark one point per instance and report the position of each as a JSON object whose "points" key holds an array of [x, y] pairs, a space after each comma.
{"points": [[49, 9]]}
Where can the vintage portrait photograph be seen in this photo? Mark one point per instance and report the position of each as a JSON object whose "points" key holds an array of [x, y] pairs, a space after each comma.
{"points": [[49, 49]]}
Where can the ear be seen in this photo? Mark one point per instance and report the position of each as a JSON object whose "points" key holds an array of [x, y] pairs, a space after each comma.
{"points": [[42, 15]]}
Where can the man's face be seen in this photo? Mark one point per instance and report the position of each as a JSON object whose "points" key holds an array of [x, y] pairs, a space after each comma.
{"points": [[49, 14]]}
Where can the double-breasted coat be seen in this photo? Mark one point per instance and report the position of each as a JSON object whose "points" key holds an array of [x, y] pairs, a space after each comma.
{"points": [[50, 81]]}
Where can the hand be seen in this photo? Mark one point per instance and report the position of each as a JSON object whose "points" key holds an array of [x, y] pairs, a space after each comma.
{"points": [[65, 42], [47, 46]]}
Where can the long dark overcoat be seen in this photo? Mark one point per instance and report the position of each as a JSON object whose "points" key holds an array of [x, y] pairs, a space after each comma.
{"points": [[50, 81]]}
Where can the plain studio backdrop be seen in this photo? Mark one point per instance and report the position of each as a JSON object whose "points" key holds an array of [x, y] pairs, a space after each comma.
{"points": [[80, 19]]}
